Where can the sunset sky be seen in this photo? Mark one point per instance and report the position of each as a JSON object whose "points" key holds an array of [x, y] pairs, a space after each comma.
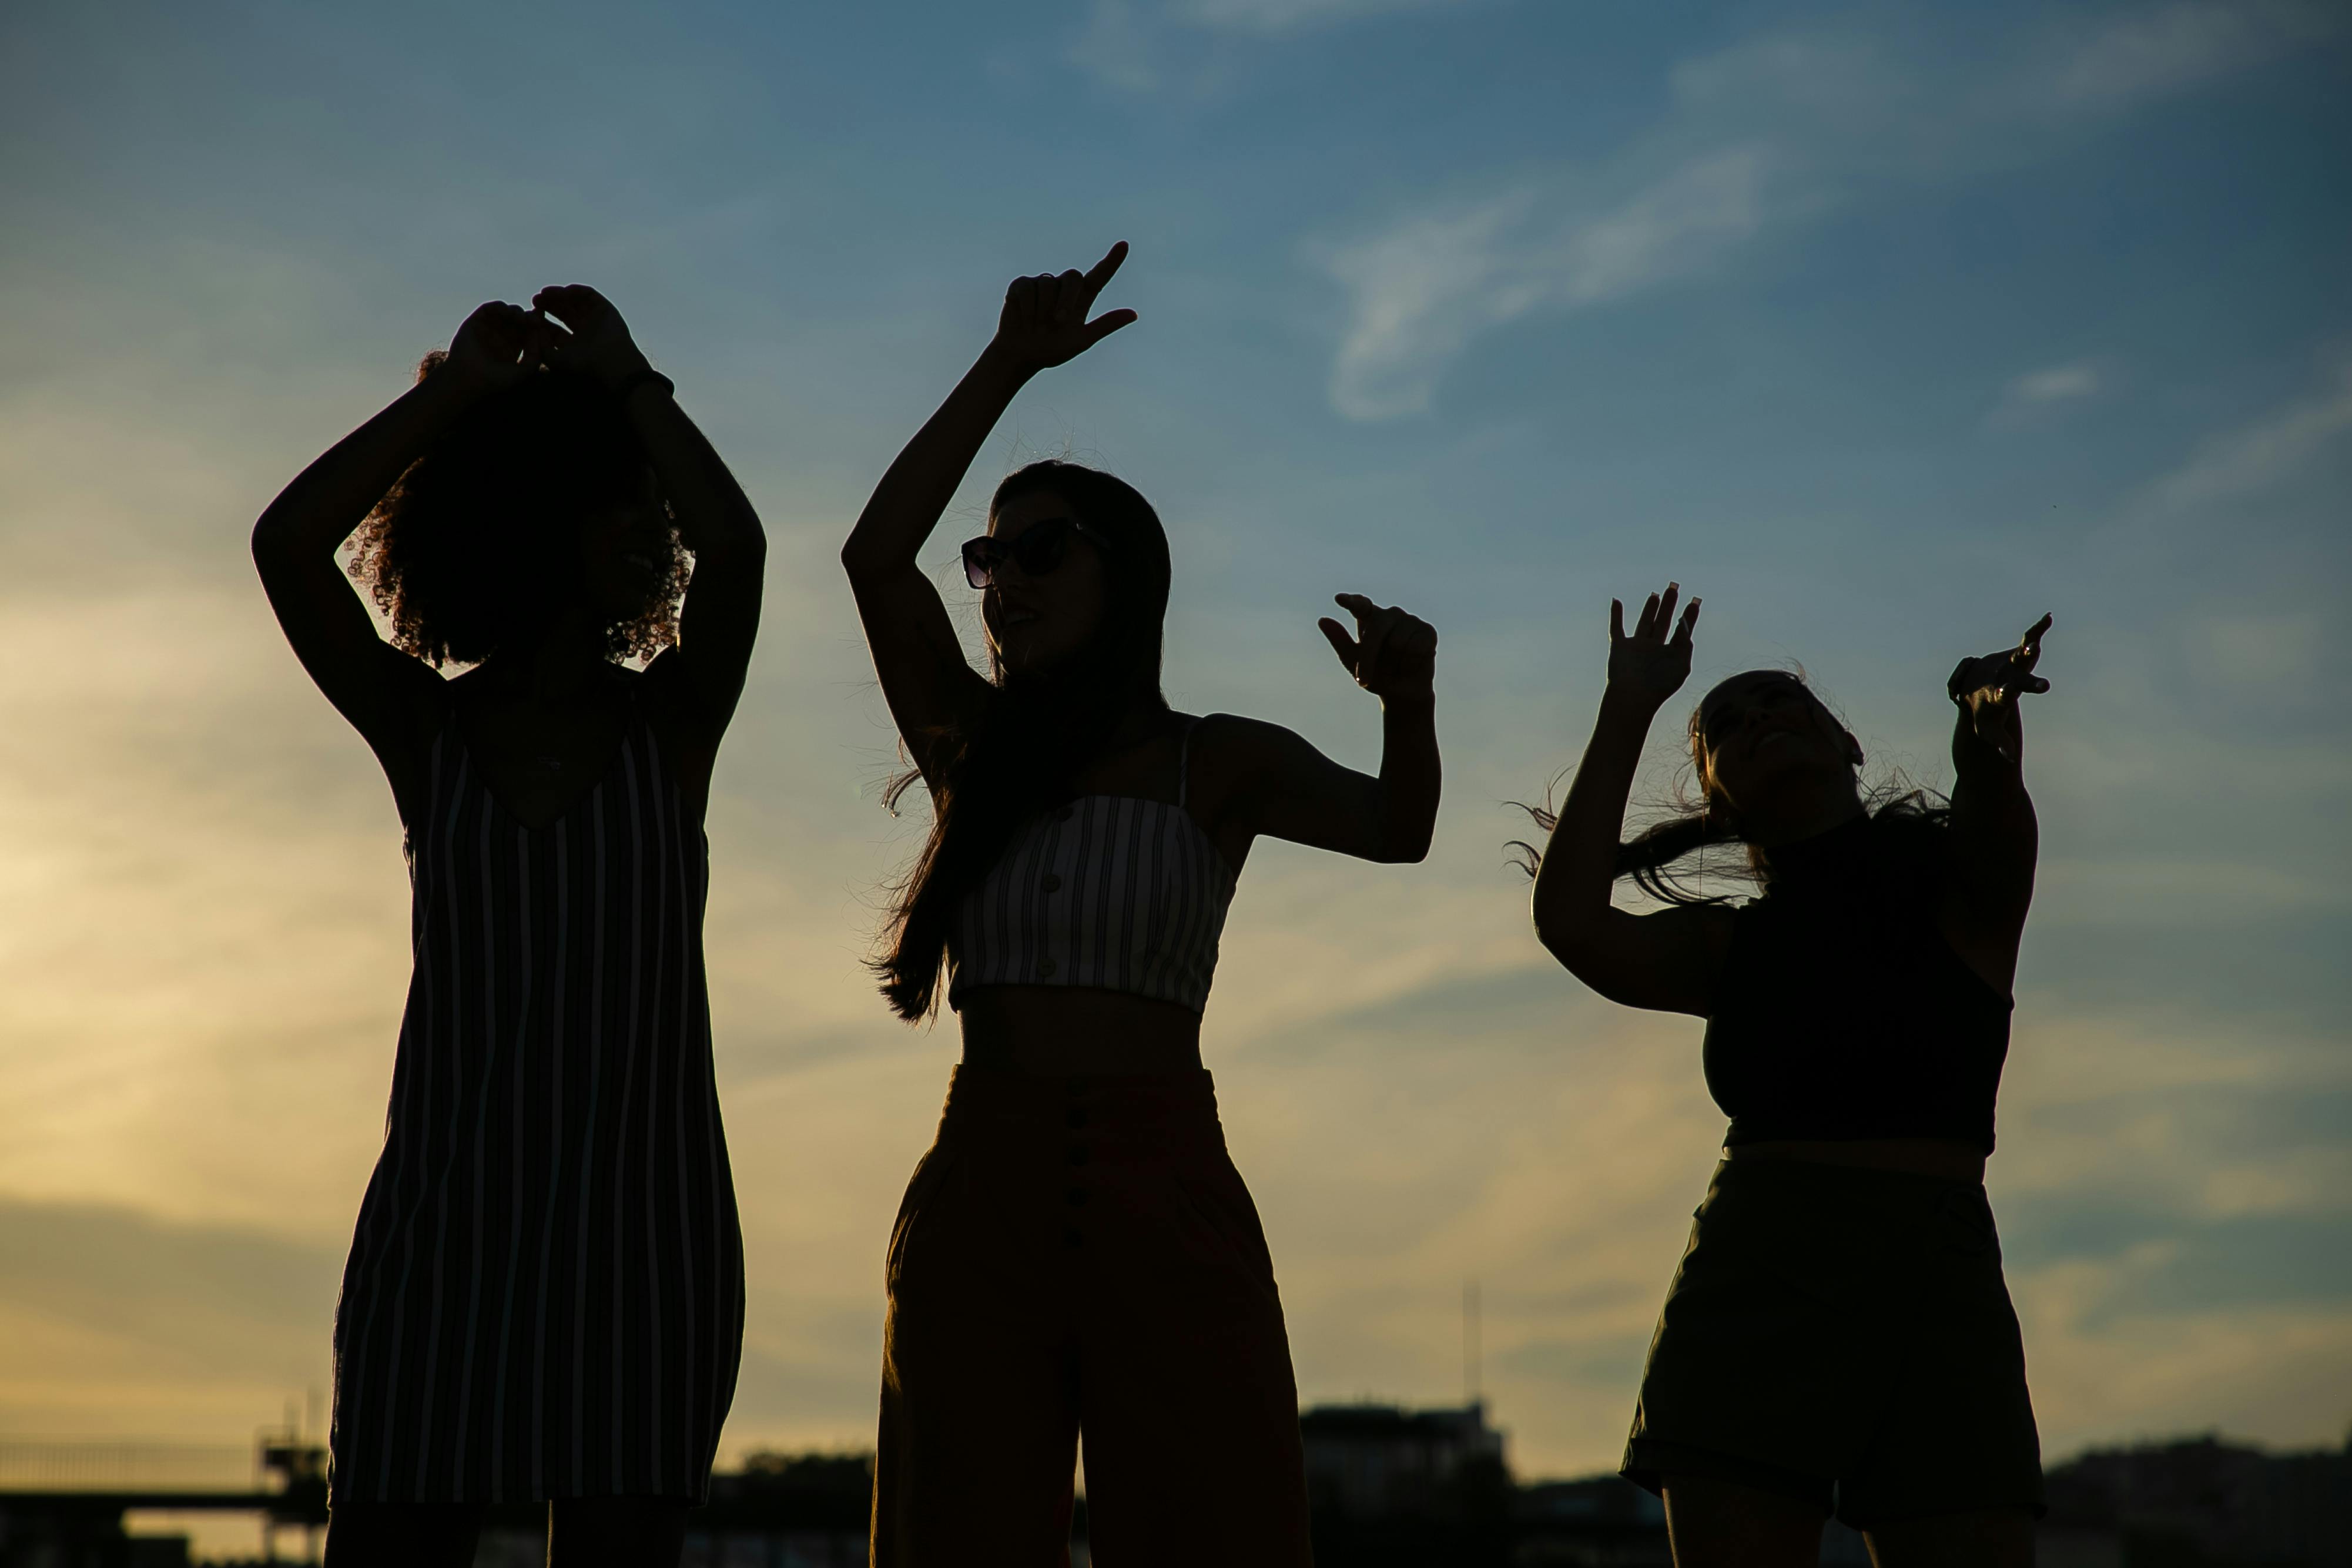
{"points": [[1884, 329]]}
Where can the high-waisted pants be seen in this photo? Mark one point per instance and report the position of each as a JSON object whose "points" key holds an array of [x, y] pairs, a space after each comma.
{"points": [[1079, 1255]]}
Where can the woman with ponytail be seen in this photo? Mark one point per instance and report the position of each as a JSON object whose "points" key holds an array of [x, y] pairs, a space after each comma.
{"points": [[1077, 1251], [1839, 1335]]}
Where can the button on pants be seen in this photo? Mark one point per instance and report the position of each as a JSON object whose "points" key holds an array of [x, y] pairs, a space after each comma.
{"points": [[1080, 1255]]}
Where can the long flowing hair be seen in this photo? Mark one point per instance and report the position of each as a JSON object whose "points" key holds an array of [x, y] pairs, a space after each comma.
{"points": [[1695, 822], [1034, 734]]}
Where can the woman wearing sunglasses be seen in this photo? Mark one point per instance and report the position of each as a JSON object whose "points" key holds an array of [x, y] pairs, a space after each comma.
{"points": [[1076, 1252], [1838, 1334]]}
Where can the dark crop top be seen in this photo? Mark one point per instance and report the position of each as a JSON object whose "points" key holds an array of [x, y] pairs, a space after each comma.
{"points": [[1843, 1012]]}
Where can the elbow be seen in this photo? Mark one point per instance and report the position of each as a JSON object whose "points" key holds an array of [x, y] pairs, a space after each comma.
{"points": [[1556, 938], [1406, 823], [1567, 939], [1406, 848], [743, 551], [860, 560], [271, 547]]}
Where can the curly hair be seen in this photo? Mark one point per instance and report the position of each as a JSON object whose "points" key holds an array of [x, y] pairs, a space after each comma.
{"points": [[475, 547]]}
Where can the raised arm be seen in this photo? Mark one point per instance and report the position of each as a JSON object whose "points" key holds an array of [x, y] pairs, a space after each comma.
{"points": [[1282, 787], [931, 689], [1668, 960], [1995, 837], [295, 543], [720, 618]]}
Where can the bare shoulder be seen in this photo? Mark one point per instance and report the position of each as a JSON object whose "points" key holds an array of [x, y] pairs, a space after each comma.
{"points": [[1667, 960], [663, 683], [464, 688], [1711, 923], [416, 704], [1235, 767], [416, 682], [1230, 742], [664, 694], [414, 701], [1228, 755], [665, 697], [1701, 934]]}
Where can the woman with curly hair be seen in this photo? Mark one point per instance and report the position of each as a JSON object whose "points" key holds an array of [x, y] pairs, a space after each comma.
{"points": [[1077, 1251], [545, 1294], [1839, 1335]]}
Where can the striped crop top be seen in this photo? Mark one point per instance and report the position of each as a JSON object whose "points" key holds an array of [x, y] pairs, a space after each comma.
{"points": [[1110, 891]]}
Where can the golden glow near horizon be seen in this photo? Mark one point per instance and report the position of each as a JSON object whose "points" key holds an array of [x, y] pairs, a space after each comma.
{"points": [[202, 958]]}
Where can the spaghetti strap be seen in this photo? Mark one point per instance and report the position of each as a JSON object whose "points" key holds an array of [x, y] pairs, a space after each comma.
{"points": [[1184, 759]]}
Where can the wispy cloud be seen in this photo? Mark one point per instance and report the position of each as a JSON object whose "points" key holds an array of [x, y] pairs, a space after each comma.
{"points": [[2157, 50], [2059, 383], [2039, 396], [1267, 16], [2254, 456], [2266, 652], [1765, 135], [1140, 46], [1116, 47], [1419, 293]]}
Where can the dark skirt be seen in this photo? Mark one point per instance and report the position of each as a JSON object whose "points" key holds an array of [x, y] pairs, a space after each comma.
{"points": [[1842, 1336]]}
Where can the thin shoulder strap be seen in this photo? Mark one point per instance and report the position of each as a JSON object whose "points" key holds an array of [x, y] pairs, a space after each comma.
{"points": [[1184, 759]]}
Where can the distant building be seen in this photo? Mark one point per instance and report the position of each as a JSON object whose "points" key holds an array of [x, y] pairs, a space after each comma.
{"points": [[1598, 1521], [785, 1510], [1594, 1499], [1374, 1461], [63, 1504], [2204, 1502], [778, 1510]]}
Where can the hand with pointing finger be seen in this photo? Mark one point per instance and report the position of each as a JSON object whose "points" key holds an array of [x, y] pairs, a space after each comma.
{"points": [[1989, 686], [1044, 318], [1392, 655]]}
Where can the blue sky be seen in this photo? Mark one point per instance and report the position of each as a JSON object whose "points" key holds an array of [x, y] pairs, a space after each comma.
{"points": [[1884, 329]]}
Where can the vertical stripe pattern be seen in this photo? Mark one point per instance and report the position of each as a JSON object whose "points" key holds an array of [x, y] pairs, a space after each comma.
{"points": [[544, 1297], [1109, 890]]}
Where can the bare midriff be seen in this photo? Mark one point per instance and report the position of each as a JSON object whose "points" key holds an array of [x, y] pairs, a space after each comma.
{"points": [[1075, 1031], [1948, 1158]]}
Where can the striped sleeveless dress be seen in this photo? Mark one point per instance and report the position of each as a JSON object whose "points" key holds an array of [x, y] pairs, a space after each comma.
{"points": [[544, 1297]]}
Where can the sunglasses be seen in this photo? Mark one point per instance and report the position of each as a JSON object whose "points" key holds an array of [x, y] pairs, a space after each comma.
{"points": [[1037, 549]]}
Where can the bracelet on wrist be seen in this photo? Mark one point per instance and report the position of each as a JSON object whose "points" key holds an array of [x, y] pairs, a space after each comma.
{"points": [[636, 379]]}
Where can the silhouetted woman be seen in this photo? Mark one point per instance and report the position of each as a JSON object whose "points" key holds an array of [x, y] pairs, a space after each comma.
{"points": [[1838, 1333], [545, 1294], [1077, 1251]]}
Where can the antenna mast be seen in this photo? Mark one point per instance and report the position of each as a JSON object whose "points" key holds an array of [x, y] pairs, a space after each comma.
{"points": [[1471, 1361]]}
